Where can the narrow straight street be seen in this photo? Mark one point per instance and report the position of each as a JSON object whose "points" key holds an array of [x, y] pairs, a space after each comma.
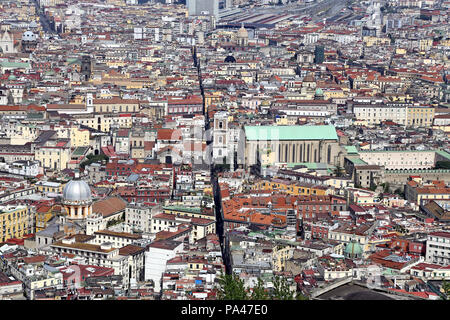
{"points": [[214, 177], [45, 23]]}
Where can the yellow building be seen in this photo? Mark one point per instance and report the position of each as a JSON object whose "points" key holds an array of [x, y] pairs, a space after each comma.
{"points": [[79, 137], [420, 116], [212, 98], [15, 222], [289, 187], [48, 187], [43, 216], [280, 254], [425, 44], [375, 41], [115, 105], [333, 93]]}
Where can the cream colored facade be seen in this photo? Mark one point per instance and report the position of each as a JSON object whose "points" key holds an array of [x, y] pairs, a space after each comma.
{"points": [[294, 151], [200, 231], [414, 116], [420, 116], [23, 134], [78, 137], [375, 41], [280, 255], [400, 159], [57, 280], [348, 237], [115, 105], [103, 122], [53, 157]]}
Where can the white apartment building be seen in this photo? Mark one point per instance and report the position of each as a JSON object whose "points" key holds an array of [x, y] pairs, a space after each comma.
{"points": [[104, 255], [375, 114], [138, 217], [405, 159], [438, 248], [403, 114], [156, 259]]}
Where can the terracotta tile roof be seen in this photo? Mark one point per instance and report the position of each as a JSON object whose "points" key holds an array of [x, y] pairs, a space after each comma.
{"points": [[168, 134], [130, 250], [35, 259], [109, 206]]}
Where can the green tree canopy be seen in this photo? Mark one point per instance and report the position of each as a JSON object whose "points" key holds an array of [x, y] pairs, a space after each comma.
{"points": [[281, 290], [231, 287], [259, 292]]}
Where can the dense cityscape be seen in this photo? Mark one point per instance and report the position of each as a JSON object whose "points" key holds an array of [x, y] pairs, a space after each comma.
{"points": [[224, 149]]}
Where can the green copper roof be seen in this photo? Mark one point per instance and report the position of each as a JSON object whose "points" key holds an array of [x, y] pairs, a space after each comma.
{"points": [[326, 132], [356, 160], [351, 149], [7, 64], [183, 209], [443, 154], [353, 248], [311, 165]]}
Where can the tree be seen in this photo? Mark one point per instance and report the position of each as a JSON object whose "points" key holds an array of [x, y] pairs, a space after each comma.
{"points": [[259, 292], [231, 287], [281, 290], [91, 158], [400, 192], [301, 297], [446, 288]]}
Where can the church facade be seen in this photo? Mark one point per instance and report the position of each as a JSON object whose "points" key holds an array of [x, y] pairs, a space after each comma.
{"points": [[292, 144]]}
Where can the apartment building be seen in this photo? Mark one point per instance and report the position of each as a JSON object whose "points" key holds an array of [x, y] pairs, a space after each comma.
{"points": [[438, 248], [404, 114], [15, 222]]}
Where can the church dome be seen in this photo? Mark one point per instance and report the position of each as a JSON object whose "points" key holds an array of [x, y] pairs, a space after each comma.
{"points": [[77, 192], [28, 36], [353, 249], [319, 92], [242, 32]]}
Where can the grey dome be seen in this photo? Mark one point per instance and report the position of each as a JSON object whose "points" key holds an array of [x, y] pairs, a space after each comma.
{"points": [[77, 191], [28, 36]]}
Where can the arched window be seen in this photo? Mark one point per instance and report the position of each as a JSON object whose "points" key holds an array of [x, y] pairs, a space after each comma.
{"points": [[329, 154]]}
